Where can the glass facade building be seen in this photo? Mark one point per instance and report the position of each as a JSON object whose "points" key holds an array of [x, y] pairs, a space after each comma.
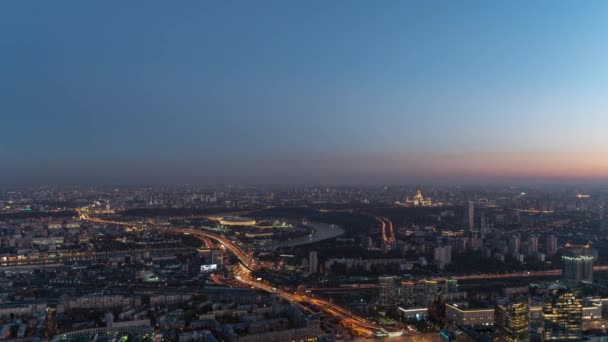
{"points": [[512, 321], [562, 315]]}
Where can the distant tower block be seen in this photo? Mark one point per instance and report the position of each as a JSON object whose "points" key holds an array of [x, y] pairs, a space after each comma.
{"points": [[471, 219], [313, 262]]}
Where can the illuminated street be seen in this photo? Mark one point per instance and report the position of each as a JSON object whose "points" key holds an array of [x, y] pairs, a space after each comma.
{"points": [[358, 325], [313, 171]]}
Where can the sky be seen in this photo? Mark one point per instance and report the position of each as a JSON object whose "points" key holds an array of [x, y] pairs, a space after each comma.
{"points": [[340, 91]]}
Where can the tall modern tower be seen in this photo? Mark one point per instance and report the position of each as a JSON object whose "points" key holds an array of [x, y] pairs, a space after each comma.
{"points": [[313, 262], [471, 219], [512, 321], [532, 245], [483, 226], [562, 315]]}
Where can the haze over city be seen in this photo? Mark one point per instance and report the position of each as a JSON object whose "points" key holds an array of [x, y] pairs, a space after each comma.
{"points": [[303, 171], [313, 92]]}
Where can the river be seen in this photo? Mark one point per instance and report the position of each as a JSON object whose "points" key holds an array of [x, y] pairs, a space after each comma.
{"points": [[323, 231]]}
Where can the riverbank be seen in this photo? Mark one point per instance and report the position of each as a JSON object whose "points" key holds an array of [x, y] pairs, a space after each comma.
{"points": [[323, 231]]}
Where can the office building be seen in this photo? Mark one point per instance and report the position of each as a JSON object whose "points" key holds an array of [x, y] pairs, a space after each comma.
{"points": [[512, 321], [562, 315]]}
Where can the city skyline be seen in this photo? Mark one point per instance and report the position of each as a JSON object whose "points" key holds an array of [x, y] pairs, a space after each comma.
{"points": [[347, 170], [270, 92]]}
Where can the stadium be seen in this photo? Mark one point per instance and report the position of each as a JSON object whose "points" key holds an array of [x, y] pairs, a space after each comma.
{"points": [[237, 221]]}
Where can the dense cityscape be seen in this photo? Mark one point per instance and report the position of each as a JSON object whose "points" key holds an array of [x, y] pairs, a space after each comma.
{"points": [[303, 171], [316, 263]]}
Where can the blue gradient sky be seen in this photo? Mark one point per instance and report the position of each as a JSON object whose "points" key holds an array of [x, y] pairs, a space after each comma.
{"points": [[309, 91]]}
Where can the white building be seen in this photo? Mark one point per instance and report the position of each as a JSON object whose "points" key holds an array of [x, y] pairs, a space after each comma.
{"points": [[465, 316]]}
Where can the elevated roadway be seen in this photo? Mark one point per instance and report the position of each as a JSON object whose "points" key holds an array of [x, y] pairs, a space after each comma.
{"points": [[358, 325]]}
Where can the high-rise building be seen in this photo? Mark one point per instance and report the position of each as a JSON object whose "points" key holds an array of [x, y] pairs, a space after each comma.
{"points": [[408, 292], [471, 217], [313, 262], [483, 229], [562, 315], [551, 245], [512, 321], [387, 290], [514, 244], [577, 268], [451, 286], [431, 292], [532, 245], [443, 256]]}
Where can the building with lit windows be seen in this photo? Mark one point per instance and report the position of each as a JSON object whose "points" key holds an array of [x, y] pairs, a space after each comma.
{"points": [[414, 313], [418, 200], [562, 315], [578, 268], [512, 321], [423, 293], [468, 316], [388, 290]]}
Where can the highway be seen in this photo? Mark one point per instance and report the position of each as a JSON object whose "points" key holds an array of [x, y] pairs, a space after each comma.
{"points": [[243, 257], [356, 324], [388, 233]]}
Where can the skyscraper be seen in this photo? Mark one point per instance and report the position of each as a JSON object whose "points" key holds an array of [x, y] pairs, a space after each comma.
{"points": [[313, 262], [577, 268], [483, 229], [512, 321], [471, 217], [562, 315], [551, 245]]}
